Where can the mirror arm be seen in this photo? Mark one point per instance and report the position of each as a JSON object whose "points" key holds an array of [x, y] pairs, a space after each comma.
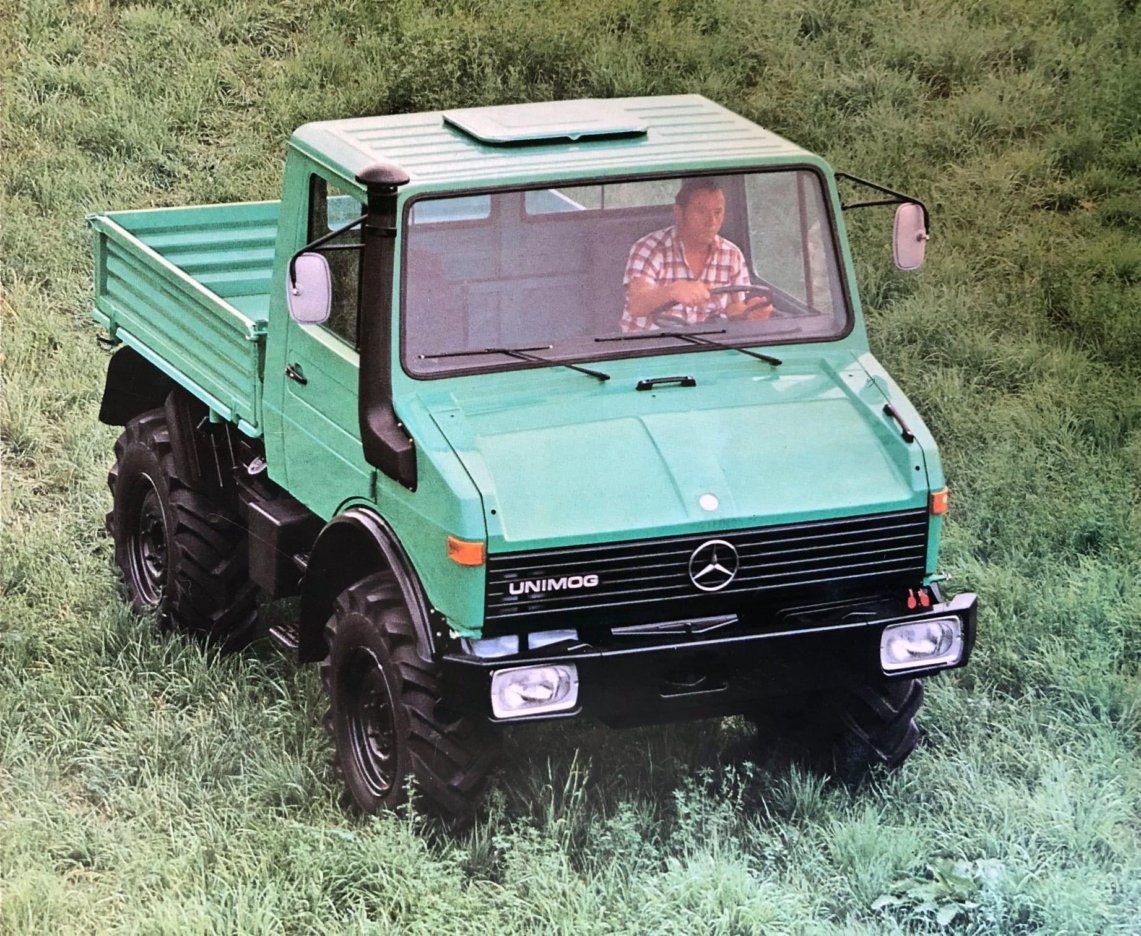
{"points": [[323, 239], [897, 198]]}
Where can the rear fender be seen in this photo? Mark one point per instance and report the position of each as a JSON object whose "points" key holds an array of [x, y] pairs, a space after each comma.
{"points": [[353, 545], [133, 386]]}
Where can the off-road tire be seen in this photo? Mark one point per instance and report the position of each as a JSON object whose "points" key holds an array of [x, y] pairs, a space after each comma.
{"points": [[848, 732], [878, 726], [387, 718], [183, 555]]}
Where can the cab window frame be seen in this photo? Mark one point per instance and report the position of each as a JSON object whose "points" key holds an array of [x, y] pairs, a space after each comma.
{"points": [[344, 254], [830, 214]]}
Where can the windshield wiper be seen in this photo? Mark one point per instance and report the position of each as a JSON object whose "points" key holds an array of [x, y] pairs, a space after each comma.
{"points": [[697, 338], [520, 354]]}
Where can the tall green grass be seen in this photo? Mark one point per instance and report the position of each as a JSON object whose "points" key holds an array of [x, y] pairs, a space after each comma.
{"points": [[147, 787]]}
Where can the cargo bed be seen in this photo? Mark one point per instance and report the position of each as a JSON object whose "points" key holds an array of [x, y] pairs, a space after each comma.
{"points": [[192, 285]]}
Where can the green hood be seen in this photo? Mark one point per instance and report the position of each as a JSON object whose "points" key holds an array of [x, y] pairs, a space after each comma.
{"points": [[807, 441]]}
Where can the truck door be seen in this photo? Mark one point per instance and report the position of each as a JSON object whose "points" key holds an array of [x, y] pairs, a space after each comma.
{"points": [[324, 463]]}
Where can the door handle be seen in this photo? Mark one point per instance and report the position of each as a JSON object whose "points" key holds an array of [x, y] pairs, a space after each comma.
{"points": [[294, 372]]}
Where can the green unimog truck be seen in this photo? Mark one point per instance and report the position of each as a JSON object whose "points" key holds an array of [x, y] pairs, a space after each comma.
{"points": [[431, 392]]}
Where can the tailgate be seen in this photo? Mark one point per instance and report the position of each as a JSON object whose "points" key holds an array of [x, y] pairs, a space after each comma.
{"points": [[188, 288]]}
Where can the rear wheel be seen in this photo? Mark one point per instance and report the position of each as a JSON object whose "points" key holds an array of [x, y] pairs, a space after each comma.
{"points": [[183, 554], [847, 732], [387, 716]]}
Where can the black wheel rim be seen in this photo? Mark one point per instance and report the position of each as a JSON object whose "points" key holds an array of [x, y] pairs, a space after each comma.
{"points": [[146, 547], [370, 722]]}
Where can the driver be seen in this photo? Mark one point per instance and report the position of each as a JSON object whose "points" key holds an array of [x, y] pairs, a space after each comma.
{"points": [[678, 265]]}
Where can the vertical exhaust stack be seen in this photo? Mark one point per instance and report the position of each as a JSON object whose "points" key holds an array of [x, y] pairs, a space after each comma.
{"points": [[387, 445]]}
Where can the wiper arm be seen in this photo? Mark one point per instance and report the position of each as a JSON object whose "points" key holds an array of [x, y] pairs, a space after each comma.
{"points": [[697, 338], [520, 354]]}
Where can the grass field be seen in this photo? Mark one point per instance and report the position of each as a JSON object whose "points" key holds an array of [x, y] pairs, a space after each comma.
{"points": [[146, 787]]}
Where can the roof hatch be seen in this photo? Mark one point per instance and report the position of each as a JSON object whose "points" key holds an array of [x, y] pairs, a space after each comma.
{"points": [[515, 124]]}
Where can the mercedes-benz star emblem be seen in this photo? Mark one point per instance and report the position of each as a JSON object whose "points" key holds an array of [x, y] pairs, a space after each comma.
{"points": [[713, 565]]}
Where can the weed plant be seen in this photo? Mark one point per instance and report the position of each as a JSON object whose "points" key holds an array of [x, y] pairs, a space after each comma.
{"points": [[149, 787]]}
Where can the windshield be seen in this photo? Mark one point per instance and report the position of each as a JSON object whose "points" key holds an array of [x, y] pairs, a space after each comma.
{"points": [[571, 273]]}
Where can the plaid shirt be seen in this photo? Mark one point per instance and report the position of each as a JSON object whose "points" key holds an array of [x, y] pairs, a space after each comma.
{"points": [[659, 258]]}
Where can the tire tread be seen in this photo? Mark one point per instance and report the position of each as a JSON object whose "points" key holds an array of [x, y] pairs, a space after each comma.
{"points": [[209, 592], [451, 759]]}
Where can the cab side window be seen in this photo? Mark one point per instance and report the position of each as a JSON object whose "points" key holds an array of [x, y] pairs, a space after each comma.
{"points": [[329, 209]]}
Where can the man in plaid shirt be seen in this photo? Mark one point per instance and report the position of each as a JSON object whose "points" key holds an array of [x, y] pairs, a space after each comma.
{"points": [[677, 266]]}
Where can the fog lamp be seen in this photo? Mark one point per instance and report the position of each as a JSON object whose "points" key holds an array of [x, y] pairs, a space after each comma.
{"points": [[534, 690], [921, 644], [508, 645]]}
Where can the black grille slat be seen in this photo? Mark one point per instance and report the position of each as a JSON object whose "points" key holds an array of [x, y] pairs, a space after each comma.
{"points": [[578, 566], [857, 551], [775, 561], [868, 568], [828, 536], [584, 564], [771, 561], [820, 542]]}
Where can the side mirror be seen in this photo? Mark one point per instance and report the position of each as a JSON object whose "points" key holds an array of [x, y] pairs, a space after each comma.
{"points": [[309, 289], [909, 240]]}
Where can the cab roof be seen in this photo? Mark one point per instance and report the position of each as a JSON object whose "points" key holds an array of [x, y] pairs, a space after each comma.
{"points": [[563, 139]]}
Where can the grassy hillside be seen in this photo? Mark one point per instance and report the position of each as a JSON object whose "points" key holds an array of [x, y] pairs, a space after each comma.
{"points": [[148, 788]]}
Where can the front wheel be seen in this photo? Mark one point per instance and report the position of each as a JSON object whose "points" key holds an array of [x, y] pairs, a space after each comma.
{"points": [[387, 716]]}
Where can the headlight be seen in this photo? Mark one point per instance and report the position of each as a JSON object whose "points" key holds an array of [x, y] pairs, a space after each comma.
{"points": [[534, 690], [921, 644]]}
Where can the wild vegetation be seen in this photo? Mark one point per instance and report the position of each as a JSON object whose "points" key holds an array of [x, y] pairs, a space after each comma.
{"points": [[147, 786]]}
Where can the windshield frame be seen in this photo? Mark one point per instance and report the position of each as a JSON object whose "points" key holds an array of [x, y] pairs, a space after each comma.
{"points": [[608, 350]]}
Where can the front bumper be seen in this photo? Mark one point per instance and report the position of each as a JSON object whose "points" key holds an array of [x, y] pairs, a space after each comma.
{"points": [[652, 679]]}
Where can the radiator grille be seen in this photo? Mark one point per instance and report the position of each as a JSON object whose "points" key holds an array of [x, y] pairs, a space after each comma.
{"points": [[854, 554]]}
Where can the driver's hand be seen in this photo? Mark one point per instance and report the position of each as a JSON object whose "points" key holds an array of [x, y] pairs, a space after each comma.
{"points": [[689, 292], [756, 309]]}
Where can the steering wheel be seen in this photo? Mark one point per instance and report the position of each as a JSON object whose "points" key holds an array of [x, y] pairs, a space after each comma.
{"points": [[663, 317], [765, 291], [747, 290]]}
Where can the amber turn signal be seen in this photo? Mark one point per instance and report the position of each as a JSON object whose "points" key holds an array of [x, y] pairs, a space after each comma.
{"points": [[465, 553], [939, 502]]}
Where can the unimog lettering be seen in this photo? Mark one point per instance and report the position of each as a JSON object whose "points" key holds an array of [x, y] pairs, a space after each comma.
{"points": [[565, 583]]}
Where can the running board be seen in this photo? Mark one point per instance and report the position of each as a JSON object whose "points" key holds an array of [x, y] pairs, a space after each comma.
{"points": [[286, 635]]}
